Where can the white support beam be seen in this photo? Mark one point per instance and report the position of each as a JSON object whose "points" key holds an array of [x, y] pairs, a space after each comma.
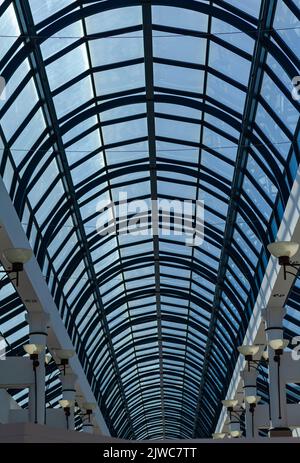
{"points": [[16, 372], [273, 292], [35, 294]]}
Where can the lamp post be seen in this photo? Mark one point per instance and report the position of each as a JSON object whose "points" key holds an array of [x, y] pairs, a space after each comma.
{"points": [[66, 405], [235, 420], [252, 401], [278, 346], [273, 318], [34, 350], [68, 381], [38, 322], [230, 404], [249, 377]]}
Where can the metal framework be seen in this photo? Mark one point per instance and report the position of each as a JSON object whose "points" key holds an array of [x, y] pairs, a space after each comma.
{"points": [[171, 99]]}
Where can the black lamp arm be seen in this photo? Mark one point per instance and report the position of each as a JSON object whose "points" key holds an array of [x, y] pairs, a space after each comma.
{"points": [[8, 272], [294, 265]]}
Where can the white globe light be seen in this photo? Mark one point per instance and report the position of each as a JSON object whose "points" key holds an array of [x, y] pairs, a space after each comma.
{"points": [[33, 348], [283, 248], [230, 403], [64, 353], [248, 350], [252, 399], [278, 344], [66, 403]]}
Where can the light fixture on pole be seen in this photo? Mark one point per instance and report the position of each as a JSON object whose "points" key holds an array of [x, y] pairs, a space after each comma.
{"points": [[34, 350], [64, 355], [252, 400], [248, 351], [66, 405], [230, 404], [278, 345], [235, 416], [283, 251], [17, 257]]}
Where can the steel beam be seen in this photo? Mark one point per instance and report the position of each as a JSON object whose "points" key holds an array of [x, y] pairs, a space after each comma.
{"points": [[149, 78], [256, 78]]}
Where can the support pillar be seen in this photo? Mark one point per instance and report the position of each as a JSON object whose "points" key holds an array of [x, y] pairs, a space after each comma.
{"points": [[249, 377]]}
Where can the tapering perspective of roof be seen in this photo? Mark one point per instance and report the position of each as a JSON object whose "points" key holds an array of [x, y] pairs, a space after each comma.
{"points": [[176, 100]]}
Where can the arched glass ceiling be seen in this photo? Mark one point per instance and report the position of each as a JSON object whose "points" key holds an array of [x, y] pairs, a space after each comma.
{"points": [[159, 99]]}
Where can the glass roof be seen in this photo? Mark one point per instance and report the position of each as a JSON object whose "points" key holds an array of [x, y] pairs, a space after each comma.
{"points": [[178, 100]]}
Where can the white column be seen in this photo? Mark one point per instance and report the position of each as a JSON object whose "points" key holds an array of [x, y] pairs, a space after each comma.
{"points": [[68, 392], [38, 335], [249, 377], [273, 318]]}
